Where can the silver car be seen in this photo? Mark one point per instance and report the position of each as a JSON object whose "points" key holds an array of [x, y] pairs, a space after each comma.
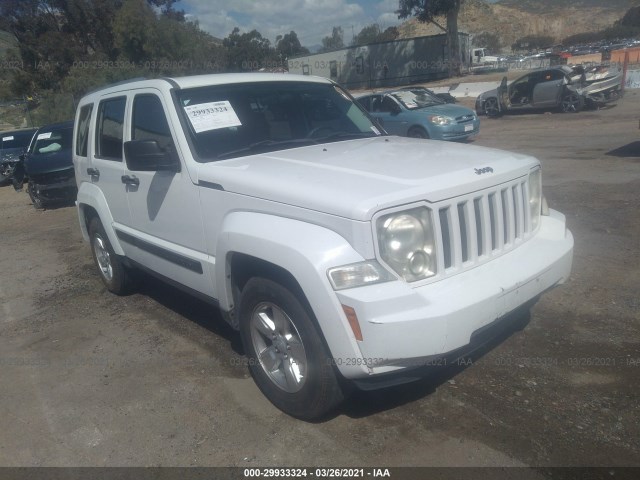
{"points": [[561, 87]]}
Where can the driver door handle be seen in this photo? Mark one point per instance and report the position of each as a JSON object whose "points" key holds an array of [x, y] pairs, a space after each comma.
{"points": [[130, 180], [93, 172]]}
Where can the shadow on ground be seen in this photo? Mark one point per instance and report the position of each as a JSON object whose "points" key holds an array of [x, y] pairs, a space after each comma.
{"points": [[630, 150]]}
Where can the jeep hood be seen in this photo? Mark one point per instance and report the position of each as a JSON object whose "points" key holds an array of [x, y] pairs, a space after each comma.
{"points": [[356, 178]]}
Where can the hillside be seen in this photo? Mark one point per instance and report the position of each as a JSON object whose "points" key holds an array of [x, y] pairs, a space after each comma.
{"points": [[542, 6], [514, 19]]}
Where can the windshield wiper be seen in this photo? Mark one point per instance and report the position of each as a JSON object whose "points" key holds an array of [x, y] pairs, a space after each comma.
{"points": [[346, 136], [265, 146]]}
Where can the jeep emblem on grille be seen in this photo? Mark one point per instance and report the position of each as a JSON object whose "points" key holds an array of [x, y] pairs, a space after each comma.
{"points": [[480, 171]]}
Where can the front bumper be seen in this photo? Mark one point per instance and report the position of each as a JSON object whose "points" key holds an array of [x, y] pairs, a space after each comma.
{"points": [[404, 327], [460, 131], [62, 189]]}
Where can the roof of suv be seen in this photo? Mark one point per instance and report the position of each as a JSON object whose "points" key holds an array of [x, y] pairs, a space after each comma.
{"points": [[209, 79]]}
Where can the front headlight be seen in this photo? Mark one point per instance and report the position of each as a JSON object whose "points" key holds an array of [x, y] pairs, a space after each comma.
{"points": [[406, 243], [535, 197], [439, 120]]}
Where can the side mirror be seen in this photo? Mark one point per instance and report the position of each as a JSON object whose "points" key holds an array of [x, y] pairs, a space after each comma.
{"points": [[147, 156]]}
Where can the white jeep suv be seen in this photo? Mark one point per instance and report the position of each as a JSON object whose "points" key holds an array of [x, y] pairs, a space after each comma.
{"points": [[342, 255]]}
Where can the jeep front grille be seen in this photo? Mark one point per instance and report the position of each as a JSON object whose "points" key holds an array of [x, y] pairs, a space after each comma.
{"points": [[482, 225]]}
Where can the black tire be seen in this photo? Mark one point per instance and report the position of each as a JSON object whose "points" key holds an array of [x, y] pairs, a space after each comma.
{"points": [[36, 199], [114, 274], [289, 343], [571, 102], [417, 132], [492, 107]]}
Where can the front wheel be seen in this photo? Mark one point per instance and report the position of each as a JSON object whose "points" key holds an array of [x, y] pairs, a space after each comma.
{"points": [[417, 132], [35, 197], [286, 355], [571, 102], [491, 107]]}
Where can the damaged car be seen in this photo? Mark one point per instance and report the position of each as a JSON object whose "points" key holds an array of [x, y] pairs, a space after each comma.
{"points": [[13, 144], [48, 165], [566, 88]]}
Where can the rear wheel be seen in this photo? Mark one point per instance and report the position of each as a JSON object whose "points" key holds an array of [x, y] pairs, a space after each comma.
{"points": [[113, 273], [287, 357], [491, 107]]}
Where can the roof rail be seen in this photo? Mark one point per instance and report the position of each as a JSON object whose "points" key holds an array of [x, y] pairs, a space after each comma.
{"points": [[116, 84]]}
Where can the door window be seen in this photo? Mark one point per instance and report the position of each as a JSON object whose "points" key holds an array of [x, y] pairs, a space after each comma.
{"points": [[149, 121], [110, 128], [82, 139]]}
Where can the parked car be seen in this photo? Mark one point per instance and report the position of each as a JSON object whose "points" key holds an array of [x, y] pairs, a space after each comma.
{"points": [[13, 144], [560, 87], [48, 165], [342, 255], [419, 114]]}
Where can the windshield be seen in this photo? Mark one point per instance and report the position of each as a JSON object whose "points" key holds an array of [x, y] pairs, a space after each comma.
{"points": [[227, 121], [52, 140], [412, 99], [10, 140]]}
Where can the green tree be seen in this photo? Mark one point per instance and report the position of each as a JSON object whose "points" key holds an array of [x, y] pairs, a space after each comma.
{"points": [[369, 34], [247, 51], [134, 30], [334, 41], [391, 33], [289, 46], [427, 11], [53, 35]]}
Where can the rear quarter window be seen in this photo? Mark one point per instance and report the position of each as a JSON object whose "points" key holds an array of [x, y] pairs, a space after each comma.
{"points": [[82, 129]]}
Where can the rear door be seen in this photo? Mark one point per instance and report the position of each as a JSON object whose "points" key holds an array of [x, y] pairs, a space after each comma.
{"points": [[105, 165]]}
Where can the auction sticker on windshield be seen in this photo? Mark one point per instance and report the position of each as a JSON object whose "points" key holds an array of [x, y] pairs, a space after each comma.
{"points": [[212, 116]]}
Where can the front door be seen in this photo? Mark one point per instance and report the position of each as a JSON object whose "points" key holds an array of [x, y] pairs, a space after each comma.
{"points": [[164, 204], [546, 92], [386, 109]]}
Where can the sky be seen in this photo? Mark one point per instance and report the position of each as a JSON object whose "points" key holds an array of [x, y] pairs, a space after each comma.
{"points": [[310, 19]]}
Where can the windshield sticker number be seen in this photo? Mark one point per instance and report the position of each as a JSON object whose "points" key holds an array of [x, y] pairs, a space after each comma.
{"points": [[44, 136], [7, 139], [212, 116]]}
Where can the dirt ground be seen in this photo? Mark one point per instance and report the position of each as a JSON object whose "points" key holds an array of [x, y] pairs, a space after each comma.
{"points": [[157, 379]]}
